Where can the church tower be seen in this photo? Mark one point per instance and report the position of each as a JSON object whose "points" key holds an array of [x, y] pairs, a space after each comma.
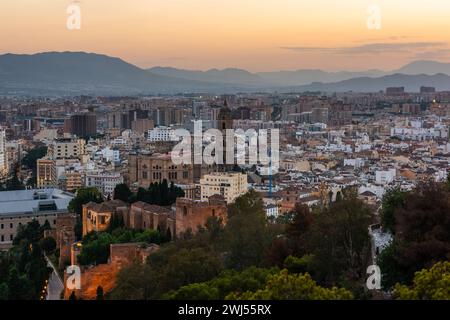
{"points": [[224, 122]]}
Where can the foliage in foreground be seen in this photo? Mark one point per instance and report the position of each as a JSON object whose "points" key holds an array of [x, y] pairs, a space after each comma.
{"points": [[428, 284], [285, 286]]}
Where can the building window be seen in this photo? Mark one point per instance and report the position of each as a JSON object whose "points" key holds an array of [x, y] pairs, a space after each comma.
{"points": [[11, 225], [2, 226], [3, 238], [11, 237], [184, 211]]}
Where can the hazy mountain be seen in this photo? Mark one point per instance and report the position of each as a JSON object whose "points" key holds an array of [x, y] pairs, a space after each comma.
{"points": [[229, 75], [79, 72], [412, 83], [306, 76], [263, 79], [425, 67], [74, 73]]}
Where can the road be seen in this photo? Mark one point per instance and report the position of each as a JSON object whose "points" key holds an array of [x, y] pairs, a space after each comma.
{"points": [[55, 284]]}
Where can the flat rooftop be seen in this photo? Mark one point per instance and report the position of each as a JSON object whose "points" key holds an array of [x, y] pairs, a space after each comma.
{"points": [[33, 201]]}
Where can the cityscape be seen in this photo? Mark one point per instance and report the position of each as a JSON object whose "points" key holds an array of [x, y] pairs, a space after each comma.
{"points": [[140, 176]]}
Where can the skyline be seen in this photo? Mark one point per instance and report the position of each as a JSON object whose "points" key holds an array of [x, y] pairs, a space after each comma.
{"points": [[258, 36]]}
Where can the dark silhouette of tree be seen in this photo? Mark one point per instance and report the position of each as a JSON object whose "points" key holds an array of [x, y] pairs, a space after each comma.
{"points": [[72, 296], [100, 293], [340, 242], [422, 228], [392, 200], [48, 244], [122, 192], [159, 193], [298, 231]]}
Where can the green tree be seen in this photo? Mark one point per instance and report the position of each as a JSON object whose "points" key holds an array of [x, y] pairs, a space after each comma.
{"points": [[166, 270], [48, 244], [83, 196], [122, 192], [285, 286], [428, 284], [422, 234], [96, 249], [340, 242], [299, 230], [229, 281], [4, 291], [392, 201], [247, 236]]}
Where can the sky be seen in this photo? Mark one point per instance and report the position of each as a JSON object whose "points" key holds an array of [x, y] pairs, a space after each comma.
{"points": [[256, 35]]}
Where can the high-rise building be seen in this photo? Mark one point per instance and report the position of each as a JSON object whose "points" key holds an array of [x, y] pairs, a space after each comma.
{"points": [[46, 173], [3, 162], [82, 125], [141, 126]]}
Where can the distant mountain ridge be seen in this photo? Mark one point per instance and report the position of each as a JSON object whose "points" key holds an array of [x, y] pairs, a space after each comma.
{"points": [[74, 73]]}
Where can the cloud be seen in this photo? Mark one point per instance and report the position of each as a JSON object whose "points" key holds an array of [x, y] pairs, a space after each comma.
{"points": [[390, 38], [372, 48]]}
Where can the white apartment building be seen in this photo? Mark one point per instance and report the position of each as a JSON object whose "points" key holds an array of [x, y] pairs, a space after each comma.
{"points": [[104, 181], [230, 185], [161, 134], [385, 177]]}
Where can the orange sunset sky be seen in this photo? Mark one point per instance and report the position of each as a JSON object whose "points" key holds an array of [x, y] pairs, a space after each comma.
{"points": [[257, 35]]}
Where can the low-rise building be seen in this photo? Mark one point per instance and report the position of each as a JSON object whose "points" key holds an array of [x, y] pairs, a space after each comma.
{"points": [[23, 206]]}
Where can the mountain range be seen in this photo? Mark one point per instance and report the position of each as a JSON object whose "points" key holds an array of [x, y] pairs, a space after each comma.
{"points": [[74, 73]]}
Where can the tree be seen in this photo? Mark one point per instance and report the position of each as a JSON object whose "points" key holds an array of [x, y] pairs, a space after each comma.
{"points": [[285, 286], [227, 282], [4, 291], [299, 230], [30, 161], [428, 284], [422, 235], [247, 237], [340, 242], [122, 192], [392, 271], [48, 244], [393, 200], [168, 269], [83, 196], [96, 249], [159, 193], [100, 293], [13, 183]]}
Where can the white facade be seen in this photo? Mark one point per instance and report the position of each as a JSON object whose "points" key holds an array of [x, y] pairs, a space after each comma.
{"points": [[271, 210], [385, 177], [104, 181], [3, 162], [229, 185], [161, 134]]}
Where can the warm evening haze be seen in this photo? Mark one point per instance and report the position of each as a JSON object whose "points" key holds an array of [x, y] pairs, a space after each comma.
{"points": [[225, 158]]}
